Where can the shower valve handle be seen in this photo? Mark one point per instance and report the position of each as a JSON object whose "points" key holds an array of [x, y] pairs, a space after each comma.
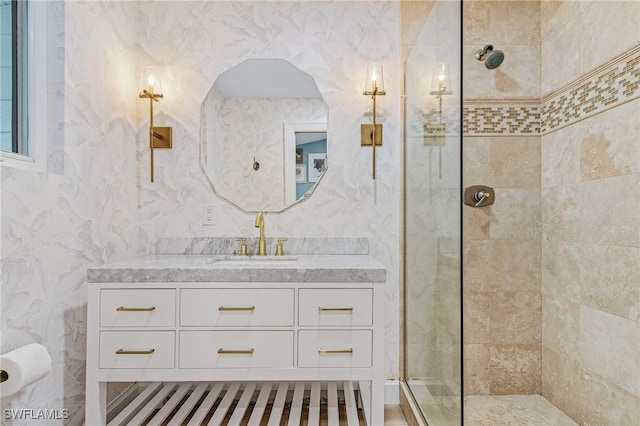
{"points": [[480, 196]]}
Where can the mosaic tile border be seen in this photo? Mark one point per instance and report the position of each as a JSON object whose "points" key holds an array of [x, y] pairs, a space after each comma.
{"points": [[608, 86], [507, 119]]}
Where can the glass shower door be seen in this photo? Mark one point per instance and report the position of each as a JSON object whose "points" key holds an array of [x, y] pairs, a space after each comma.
{"points": [[433, 350]]}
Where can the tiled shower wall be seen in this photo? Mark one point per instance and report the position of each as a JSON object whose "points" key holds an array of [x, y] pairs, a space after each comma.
{"points": [[591, 210], [554, 264], [501, 148]]}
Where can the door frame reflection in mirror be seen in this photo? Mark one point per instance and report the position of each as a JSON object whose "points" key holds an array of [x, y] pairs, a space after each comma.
{"points": [[290, 131]]}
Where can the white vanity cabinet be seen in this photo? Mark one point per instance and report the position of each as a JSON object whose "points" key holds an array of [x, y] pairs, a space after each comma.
{"points": [[235, 332]]}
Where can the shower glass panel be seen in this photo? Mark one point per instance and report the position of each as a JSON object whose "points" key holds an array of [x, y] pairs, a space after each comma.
{"points": [[433, 351]]}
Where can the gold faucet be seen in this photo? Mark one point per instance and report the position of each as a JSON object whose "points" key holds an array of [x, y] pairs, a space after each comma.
{"points": [[262, 245]]}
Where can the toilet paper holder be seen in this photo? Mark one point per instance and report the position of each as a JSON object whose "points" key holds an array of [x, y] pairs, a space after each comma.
{"points": [[4, 376]]}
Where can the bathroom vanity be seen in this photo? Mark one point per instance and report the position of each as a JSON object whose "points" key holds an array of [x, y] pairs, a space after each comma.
{"points": [[285, 323]]}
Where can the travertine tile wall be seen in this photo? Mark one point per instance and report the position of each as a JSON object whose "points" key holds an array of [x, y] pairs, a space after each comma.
{"points": [[582, 222], [501, 148], [591, 212]]}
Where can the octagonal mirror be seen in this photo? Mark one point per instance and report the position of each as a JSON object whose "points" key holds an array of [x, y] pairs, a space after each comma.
{"points": [[263, 135]]}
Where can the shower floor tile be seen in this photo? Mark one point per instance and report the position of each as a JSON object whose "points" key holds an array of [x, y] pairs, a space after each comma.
{"points": [[516, 410]]}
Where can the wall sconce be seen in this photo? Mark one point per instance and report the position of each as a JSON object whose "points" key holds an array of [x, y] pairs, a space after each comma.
{"points": [[159, 137], [434, 133], [369, 133]]}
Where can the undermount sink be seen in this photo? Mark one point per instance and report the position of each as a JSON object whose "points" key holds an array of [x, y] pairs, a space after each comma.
{"points": [[254, 261]]}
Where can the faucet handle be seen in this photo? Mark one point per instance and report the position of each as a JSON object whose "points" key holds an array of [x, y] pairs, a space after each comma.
{"points": [[279, 247], [243, 245]]}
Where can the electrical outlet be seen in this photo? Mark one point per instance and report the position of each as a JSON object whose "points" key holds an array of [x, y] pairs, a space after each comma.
{"points": [[207, 214]]}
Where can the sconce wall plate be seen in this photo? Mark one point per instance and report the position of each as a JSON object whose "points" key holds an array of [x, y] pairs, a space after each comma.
{"points": [[162, 137], [366, 134], [434, 134]]}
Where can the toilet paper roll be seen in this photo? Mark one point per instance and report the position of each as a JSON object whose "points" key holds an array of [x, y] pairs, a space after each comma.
{"points": [[23, 366]]}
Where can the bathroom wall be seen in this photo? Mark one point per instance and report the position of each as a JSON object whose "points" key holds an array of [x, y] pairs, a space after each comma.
{"points": [[501, 148], [99, 205], [591, 210], [333, 42], [83, 211]]}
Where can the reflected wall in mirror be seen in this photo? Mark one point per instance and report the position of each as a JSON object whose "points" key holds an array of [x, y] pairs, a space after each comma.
{"points": [[269, 112]]}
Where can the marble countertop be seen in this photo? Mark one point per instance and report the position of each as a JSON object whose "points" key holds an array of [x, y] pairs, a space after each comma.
{"points": [[234, 268]]}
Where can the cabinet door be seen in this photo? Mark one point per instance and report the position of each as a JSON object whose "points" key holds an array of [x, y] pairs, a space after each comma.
{"points": [[334, 348], [335, 307], [236, 349], [236, 307]]}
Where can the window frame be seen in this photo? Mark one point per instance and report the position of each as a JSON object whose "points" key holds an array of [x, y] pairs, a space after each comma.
{"points": [[34, 114]]}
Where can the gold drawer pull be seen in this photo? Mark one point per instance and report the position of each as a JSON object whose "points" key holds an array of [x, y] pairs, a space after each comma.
{"points": [[123, 352], [129, 309], [236, 351], [335, 351], [236, 308], [336, 308]]}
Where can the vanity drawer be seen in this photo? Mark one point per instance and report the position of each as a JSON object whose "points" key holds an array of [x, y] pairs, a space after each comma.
{"points": [[334, 348], [137, 307], [236, 307], [236, 349], [137, 349], [335, 307]]}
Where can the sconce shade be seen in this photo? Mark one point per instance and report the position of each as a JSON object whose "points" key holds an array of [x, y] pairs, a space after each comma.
{"points": [[440, 82], [374, 81], [152, 80]]}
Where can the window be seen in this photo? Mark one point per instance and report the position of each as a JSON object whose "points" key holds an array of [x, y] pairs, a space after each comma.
{"points": [[13, 77]]}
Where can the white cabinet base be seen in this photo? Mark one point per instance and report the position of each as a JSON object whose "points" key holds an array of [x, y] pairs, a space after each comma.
{"points": [[244, 346]]}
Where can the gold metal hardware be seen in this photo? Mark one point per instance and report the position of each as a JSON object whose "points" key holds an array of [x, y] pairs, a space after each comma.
{"points": [[279, 246], [235, 351], [124, 352], [366, 134], [337, 308], [243, 246], [371, 134], [262, 244], [236, 308], [133, 309], [335, 351], [159, 137]]}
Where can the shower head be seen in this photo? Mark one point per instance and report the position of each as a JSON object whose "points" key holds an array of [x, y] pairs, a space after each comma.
{"points": [[492, 58]]}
